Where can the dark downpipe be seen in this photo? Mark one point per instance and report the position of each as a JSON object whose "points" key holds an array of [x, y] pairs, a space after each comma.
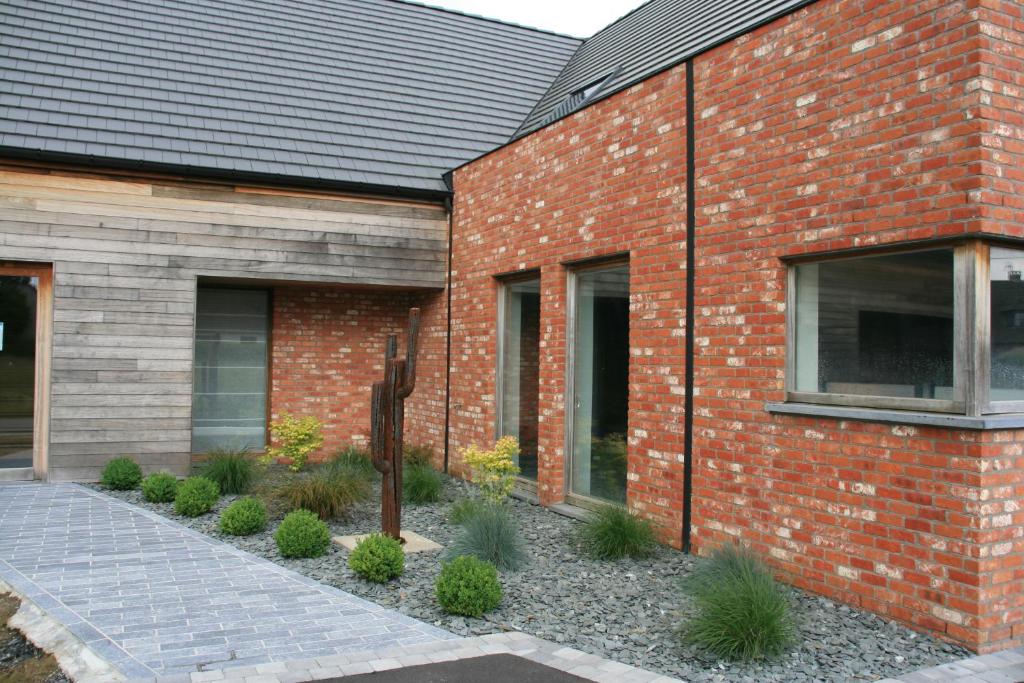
{"points": [[450, 206], [691, 230]]}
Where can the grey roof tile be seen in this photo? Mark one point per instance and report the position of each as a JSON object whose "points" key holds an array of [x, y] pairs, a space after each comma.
{"points": [[380, 92], [649, 39]]}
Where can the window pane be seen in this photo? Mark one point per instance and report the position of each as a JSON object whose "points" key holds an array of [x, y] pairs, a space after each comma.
{"points": [[876, 326], [520, 368], [17, 369], [1007, 304], [601, 384], [229, 393]]}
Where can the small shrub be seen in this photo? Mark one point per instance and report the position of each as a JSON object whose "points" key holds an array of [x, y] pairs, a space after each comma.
{"points": [[121, 474], [468, 586], [243, 517], [377, 558], [491, 536], [463, 510], [741, 612], [233, 470], [421, 484], [494, 471], [614, 532], [352, 460], [328, 493], [298, 437], [195, 496], [160, 487], [418, 455], [302, 534]]}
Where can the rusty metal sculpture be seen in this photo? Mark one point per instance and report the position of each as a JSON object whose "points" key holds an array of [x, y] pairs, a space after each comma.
{"points": [[387, 423]]}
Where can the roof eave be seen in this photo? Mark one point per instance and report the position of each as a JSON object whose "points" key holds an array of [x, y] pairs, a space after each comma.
{"points": [[225, 175]]}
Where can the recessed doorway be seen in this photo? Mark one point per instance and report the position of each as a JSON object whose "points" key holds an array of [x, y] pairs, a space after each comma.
{"points": [[24, 363]]}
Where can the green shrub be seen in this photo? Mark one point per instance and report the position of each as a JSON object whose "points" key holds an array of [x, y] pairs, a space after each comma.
{"points": [[233, 470], [377, 558], [328, 493], [494, 471], [465, 509], [196, 496], [613, 532], [302, 534], [243, 517], [121, 474], [298, 437], [491, 536], [160, 487], [741, 612], [418, 455], [352, 460], [421, 484], [468, 586]]}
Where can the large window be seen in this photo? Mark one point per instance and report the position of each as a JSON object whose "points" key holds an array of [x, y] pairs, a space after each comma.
{"points": [[229, 401], [937, 329], [599, 359], [519, 370]]}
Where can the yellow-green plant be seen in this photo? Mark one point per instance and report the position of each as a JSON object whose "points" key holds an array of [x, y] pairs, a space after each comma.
{"points": [[298, 437], [494, 471]]}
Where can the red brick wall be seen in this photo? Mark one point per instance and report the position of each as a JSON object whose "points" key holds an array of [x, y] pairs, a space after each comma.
{"points": [[608, 180], [327, 349], [845, 124]]}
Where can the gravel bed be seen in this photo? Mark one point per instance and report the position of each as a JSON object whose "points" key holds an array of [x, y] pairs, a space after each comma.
{"points": [[627, 610], [20, 660]]}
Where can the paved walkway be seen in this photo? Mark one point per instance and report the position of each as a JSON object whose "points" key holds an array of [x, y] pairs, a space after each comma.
{"points": [[1001, 667], [153, 597]]}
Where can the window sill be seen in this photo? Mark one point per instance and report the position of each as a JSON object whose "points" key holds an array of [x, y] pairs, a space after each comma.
{"points": [[1007, 421]]}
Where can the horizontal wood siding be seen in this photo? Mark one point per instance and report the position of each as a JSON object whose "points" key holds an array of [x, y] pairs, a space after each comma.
{"points": [[126, 258]]}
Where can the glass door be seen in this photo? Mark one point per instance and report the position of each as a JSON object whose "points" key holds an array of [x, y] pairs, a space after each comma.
{"points": [[600, 383], [519, 370], [18, 313]]}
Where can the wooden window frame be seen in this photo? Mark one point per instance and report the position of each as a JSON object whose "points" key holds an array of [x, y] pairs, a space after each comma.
{"points": [[573, 269], [971, 329], [43, 361]]}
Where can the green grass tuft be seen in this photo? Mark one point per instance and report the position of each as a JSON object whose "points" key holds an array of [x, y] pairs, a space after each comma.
{"points": [[328, 493], [742, 613], [421, 484], [490, 535], [234, 471], [461, 511], [352, 460], [613, 532]]}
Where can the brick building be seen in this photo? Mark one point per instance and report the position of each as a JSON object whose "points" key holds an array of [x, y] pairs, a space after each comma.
{"points": [[805, 217]]}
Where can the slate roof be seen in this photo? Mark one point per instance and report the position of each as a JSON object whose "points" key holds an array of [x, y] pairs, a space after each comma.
{"points": [[376, 93], [651, 38]]}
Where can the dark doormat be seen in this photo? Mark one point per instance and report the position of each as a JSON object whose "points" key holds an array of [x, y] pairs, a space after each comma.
{"points": [[489, 668]]}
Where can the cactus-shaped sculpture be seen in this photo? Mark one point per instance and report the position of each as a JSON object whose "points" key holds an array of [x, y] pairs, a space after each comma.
{"points": [[387, 423]]}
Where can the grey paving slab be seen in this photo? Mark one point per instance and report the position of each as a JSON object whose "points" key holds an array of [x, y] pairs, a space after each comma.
{"points": [[1001, 667], [155, 598]]}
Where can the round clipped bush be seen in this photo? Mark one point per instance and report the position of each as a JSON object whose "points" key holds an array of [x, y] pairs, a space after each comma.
{"points": [[196, 496], [377, 558], [160, 487], [243, 517], [121, 474], [302, 534], [468, 586]]}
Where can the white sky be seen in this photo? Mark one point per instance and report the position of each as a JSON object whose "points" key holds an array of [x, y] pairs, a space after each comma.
{"points": [[581, 18]]}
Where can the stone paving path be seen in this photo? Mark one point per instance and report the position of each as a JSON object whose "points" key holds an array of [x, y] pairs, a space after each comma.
{"points": [[153, 597], [1000, 667]]}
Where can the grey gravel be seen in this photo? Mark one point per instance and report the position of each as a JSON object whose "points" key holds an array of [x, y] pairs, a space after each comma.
{"points": [[628, 610]]}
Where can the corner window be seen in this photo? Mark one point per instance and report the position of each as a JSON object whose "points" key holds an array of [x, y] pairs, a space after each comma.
{"points": [[1006, 296], [938, 329], [519, 368]]}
